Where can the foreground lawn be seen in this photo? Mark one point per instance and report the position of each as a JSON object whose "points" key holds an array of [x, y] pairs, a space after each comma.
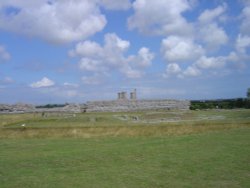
{"points": [[209, 159]]}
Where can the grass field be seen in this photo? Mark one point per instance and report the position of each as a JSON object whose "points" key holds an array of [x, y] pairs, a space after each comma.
{"points": [[142, 149]]}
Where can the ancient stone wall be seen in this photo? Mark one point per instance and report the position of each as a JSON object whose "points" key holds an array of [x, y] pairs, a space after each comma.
{"points": [[102, 106], [26, 108], [16, 108], [136, 105]]}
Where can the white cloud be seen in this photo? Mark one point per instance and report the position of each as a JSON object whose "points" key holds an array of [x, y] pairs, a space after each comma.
{"points": [[113, 42], [4, 54], [70, 85], [172, 70], [58, 21], [21, 3], [45, 82], [175, 70], [209, 30], [216, 65], [111, 56], [210, 15], [142, 59], [200, 51], [160, 17], [233, 57], [245, 25], [242, 43], [213, 35], [211, 62], [145, 57], [88, 64], [116, 4], [180, 49], [87, 48], [192, 71]]}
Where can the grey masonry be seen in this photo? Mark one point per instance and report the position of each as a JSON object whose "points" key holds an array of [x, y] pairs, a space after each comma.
{"points": [[132, 104], [122, 104]]}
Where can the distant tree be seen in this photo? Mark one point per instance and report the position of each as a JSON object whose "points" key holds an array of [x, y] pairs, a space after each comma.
{"points": [[248, 93], [239, 103]]}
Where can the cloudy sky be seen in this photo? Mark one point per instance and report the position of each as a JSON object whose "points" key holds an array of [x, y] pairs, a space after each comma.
{"points": [[56, 51]]}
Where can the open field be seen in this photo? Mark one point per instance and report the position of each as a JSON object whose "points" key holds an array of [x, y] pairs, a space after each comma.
{"points": [[154, 123], [141, 149]]}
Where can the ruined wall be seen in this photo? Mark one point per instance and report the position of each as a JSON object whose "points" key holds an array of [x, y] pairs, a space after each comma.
{"points": [[16, 108], [135, 105], [27, 108], [102, 106]]}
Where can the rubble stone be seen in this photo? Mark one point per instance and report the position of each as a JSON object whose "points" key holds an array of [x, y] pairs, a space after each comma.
{"points": [[136, 105]]}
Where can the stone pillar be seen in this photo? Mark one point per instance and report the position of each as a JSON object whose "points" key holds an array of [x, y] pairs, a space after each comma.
{"points": [[133, 95], [124, 95]]}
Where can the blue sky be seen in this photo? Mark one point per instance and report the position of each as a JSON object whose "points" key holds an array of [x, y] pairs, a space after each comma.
{"points": [[78, 50]]}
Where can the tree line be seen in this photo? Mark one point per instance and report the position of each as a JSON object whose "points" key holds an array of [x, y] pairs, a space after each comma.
{"points": [[220, 104], [51, 105]]}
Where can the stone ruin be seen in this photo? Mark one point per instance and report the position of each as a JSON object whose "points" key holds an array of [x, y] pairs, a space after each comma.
{"points": [[122, 104], [28, 108], [16, 108], [133, 104], [123, 95]]}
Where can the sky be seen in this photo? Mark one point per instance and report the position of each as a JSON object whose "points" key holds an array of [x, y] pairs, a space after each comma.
{"points": [[57, 51]]}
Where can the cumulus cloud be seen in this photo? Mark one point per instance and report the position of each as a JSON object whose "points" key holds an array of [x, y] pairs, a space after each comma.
{"points": [[58, 21], [192, 71], [4, 54], [45, 82], [211, 62], [201, 52], [208, 16], [88, 64], [192, 49], [172, 70], [242, 43], [245, 25], [160, 17], [142, 59], [111, 56], [210, 32], [87, 48], [213, 35], [145, 57], [180, 49]]}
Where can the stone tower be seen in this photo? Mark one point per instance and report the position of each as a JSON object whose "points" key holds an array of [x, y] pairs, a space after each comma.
{"points": [[122, 95], [133, 95]]}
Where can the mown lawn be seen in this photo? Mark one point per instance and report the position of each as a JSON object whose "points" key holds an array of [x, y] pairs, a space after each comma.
{"points": [[209, 159]]}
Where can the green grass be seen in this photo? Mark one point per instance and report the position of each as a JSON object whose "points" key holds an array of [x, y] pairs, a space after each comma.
{"points": [[218, 159], [156, 123], [200, 149]]}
